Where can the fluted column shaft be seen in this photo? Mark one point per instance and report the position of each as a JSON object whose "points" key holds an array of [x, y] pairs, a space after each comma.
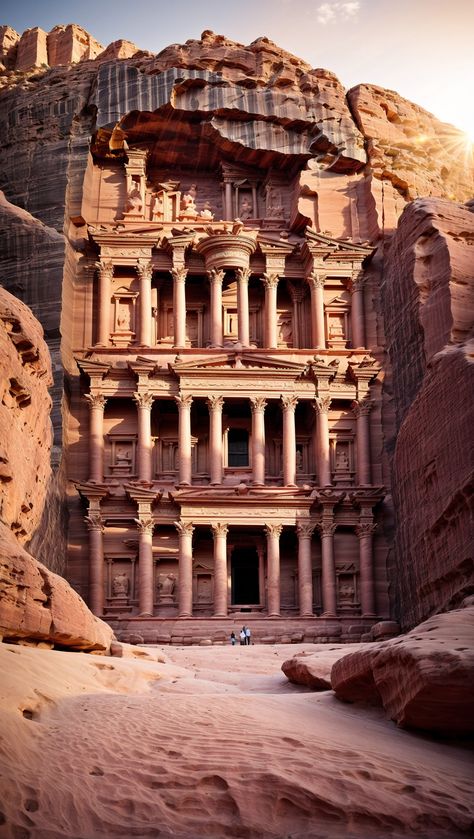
{"points": [[305, 570], [322, 405], [289, 440], [357, 314], [96, 437], [362, 410], [258, 405], [145, 566], [215, 405], [145, 273], [144, 448], [328, 569], [270, 282], [179, 306], [243, 276], [106, 272], [96, 563], [273, 532], [316, 285], [229, 212], [216, 278], [365, 533], [185, 568], [184, 402], [220, 569]]}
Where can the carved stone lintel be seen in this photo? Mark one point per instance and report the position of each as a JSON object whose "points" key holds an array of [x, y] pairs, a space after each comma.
{"points": [[242, 275], [365, 529], [215, 403], [179, 274], [316, 279], [145, 526], [258, 404], [96, 400], [270, 280], [326, 528], [216, 276], [144, 400], [363, 408], [184, 400], [94, 522], [305, 531], [322, 404], [144, 269], [219, 529], [289, 402], [184, 528], [273, 530]]}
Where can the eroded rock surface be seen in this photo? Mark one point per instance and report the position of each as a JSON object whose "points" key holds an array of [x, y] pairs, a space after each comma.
{"points": [[424, 680], [313, 668]]}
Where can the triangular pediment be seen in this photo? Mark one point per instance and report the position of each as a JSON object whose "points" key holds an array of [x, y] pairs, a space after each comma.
{"points": [[331, 244], [241, 361]]}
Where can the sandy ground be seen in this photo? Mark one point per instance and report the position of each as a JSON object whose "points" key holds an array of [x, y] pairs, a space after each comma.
{"points": [[214, 743]]}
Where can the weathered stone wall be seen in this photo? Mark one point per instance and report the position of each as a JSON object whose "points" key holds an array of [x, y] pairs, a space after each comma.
{"points": [[428, 303]]}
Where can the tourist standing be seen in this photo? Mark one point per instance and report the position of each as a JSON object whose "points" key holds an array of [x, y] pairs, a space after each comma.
{"points": [[243, 637], [232, 638], [248, 635]]}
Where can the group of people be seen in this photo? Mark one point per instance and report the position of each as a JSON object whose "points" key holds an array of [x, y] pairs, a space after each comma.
{"points": [[245, 636]]}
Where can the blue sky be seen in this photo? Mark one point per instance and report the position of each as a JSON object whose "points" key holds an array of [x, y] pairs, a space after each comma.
{"points": [[423, 49]]}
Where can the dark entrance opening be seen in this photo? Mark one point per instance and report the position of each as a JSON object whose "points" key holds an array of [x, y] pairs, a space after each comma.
{"points": [[245, 587]]}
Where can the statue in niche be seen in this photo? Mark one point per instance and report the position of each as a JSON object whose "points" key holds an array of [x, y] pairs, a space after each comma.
{"points": [[342, 461], [299, 460], [206, 212], [123, 456], [286, 331], [166, 587], [274, 208], [188, 203], [120, 585], [157, 206], [246, 209], [134, 202], [346, 593], [336, 329], [123, 317]]}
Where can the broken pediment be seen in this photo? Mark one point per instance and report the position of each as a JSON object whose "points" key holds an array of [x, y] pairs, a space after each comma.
{"points": [[241, 361]]}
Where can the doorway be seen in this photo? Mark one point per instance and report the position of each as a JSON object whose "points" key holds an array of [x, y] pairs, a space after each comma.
{"points": [[245, 579]]}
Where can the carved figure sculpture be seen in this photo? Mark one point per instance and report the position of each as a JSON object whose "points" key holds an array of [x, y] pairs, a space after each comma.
{"points": [[342, 461], [245, 211], [167, 584], [120, 585], [206, 212], [188, 203], [134, 201]]}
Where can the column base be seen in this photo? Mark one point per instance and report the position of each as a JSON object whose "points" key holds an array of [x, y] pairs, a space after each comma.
{"points": [[368, 615], [145, 614], [274, 615], [328, 615], [307, 615], [185, 615]]}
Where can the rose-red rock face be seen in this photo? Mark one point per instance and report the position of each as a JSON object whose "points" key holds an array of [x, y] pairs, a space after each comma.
{"points": [[8, 46], [424, 680], [70, 44]]}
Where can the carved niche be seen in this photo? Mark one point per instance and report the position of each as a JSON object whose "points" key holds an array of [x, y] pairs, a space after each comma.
{"points": [[124, 317]]}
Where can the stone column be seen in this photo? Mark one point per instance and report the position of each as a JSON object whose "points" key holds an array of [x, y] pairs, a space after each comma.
{"points": [[322, 405], [305, 570], [185, 568], [328, 569], [270, 282], [357, 312], [184, 442], [258, 405], [179, 306], [273, 532], [365, 532], [215, 405], [243, 276], [229, 213], [316, 285], [106, 273], [96, 563], [145, 274], [289, 440], [216, 278], [362, 410], [144, 449], [145, 566], [96, 436], [220, 569]]}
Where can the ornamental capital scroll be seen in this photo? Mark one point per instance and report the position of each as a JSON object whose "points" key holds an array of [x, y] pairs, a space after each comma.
{"points": [[216, 276], [273, 530], [362, 408], [145, 526], [179, 274], [105, 269], [270, 280], [289, 402], [258, 404], [144, 269], [144, 400], [94, 522], [184, 400], [316, 279], [96, 401], [305, 531], [365, 529], [184, 528], [219, 530], [242, 275], [322, 404], [326, 528], [215, 403]]}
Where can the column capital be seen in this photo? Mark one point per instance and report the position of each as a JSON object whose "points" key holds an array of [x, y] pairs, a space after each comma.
{"points": [[270, 280], [96, 400], [184, 528], [362, 408], [215, 403], [305, 531], [216, 276], [258, 404], [298, 291], [179, 274], [144, 400], [242, 275], [94, 522], [184, 400], [357, 281], [144, 269], [105, 268], [145, 525], [289, 402], [219, 529], [365, 529], [273, 530], [322, 404], [326, 527], [316, 279]]}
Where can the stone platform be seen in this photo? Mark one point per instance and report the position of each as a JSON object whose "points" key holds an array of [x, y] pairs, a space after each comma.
{"points": [[265, 630]]}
